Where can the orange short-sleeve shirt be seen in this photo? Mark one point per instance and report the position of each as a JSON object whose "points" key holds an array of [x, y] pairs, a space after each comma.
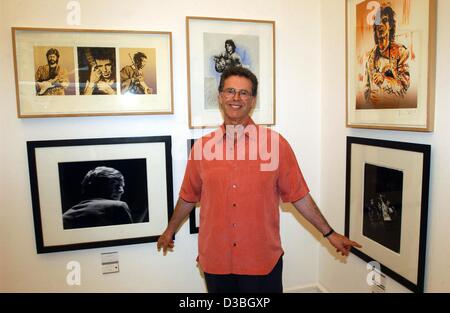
{"points": [[239, 180]]}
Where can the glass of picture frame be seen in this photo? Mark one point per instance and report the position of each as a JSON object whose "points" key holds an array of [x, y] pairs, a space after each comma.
{"points": [[391, 64], [386, 206], [214, 44], [84, 72], [90, 193]]}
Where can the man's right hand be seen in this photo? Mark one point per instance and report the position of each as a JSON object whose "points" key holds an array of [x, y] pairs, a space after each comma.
{"points": [[165, 242], [95, 75]]}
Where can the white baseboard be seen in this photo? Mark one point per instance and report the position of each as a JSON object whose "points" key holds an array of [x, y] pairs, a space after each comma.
{"points": [[313, 288]]}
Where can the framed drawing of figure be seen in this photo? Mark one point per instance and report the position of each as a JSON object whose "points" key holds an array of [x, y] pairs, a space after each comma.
{"points": [[87, 72], [214, 44], [391, 64]]}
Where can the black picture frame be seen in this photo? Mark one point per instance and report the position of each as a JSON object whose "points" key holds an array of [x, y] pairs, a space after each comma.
{"points": [[194, 223], [56, 168], [386, 206]]}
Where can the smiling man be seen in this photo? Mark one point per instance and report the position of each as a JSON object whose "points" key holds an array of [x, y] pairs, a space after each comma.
{"points": [[239, 237]]}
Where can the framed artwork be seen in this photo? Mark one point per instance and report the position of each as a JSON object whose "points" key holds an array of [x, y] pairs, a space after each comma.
{"points": [[194, 216], [391, 48], [386, 206], [214, 44], [90, 193], [194, 220], [82, 72]]}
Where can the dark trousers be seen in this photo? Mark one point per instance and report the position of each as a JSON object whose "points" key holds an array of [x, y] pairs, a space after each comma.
{"points": [[231, 283]]}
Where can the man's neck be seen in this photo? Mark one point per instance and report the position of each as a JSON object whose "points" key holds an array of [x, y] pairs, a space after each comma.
{"points": [[383, 44], [244, 122]]}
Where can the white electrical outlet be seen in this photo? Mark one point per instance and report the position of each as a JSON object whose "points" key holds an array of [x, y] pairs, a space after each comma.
{"points": [[110, 262], [110, 268]]}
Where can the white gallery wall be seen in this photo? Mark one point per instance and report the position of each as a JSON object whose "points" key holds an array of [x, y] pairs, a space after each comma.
{"points": [[350, 276], [310, 86], [141, 267]]}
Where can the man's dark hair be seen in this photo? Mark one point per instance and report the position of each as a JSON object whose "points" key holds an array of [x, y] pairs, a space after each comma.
{"points": [[103, 54], [241, 72], [52, 51], [138, 56], [386, 10], [101, 182], [231, 43]]}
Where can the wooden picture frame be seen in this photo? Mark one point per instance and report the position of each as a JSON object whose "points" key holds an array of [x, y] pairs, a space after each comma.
{"points": [[91, 193], [391, 64], [86, 72], [216, 43], [386, 206]]}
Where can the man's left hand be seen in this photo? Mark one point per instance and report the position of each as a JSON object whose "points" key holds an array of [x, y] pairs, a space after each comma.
{"points": [[105, 87], [342, 243]]}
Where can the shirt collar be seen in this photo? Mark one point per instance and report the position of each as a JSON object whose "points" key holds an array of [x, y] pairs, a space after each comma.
{"points": [[250, 123]]}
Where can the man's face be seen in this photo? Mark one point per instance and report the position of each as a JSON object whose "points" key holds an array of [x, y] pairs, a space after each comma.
{"points": [[229, 48], [52, 59], [142, 63], [235, 109], [117, 190], [382, 29], [105, 68]]}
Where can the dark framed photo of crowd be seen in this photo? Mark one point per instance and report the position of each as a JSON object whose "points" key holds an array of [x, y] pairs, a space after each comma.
{"points": [[386, 206], [90, 193], [213, 44], [194, 216], [66, 72], [391, 64]]}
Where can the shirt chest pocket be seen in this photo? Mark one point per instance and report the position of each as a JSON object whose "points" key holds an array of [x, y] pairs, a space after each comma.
{"points": [[216, 178], [260, 181]]}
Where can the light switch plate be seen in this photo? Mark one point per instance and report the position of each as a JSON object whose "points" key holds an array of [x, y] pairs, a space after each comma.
{"points": [[110, 268], [110, 262]]}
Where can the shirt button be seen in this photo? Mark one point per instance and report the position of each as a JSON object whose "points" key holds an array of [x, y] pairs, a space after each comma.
{"points": [[234, 224], [234, 186], [234, 244], [234, 205]]}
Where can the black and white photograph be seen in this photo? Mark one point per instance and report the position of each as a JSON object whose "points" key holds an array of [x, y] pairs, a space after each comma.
{"points": [[97, 71], [227, 50], [382, 217], [90, 193], [103, 193], [386, 206]]}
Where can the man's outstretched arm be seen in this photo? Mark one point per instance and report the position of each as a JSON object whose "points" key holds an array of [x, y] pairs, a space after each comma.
{"points": [[182, 210], [308, 208]]}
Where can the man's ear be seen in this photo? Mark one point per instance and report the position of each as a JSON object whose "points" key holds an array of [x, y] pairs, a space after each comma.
{"points": [[253, 104], [219, 101]]}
